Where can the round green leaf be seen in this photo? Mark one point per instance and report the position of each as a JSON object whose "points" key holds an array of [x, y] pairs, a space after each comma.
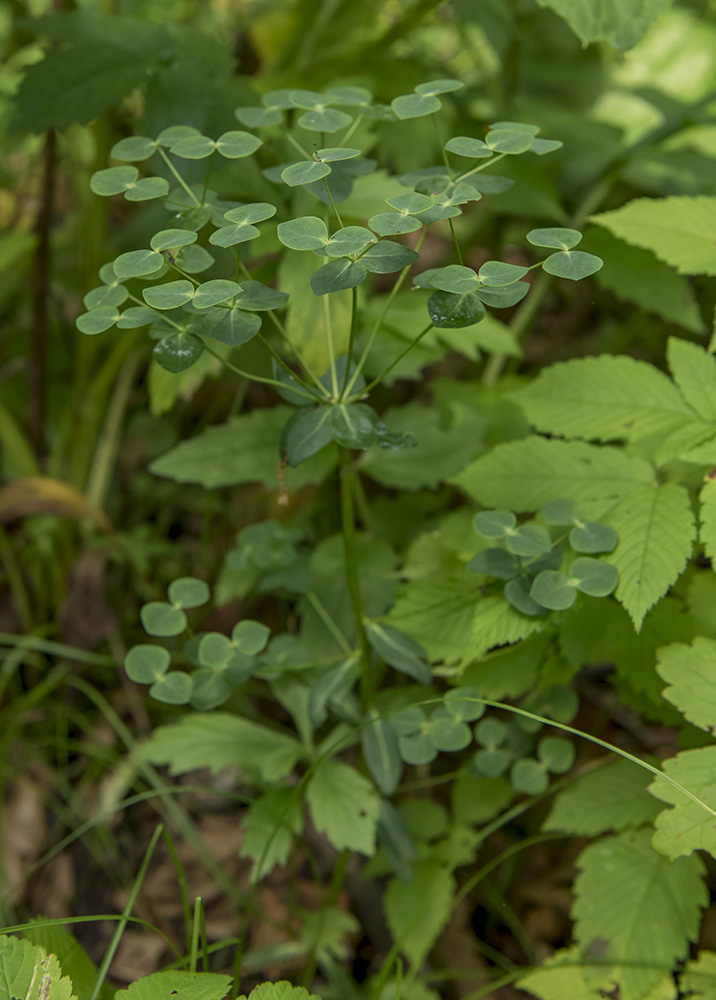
{"points": [[447, 732], [194, 259], [560, 239], [174, 133], [408, 721], [230, 236], [496, 273], [168, 239], [170, 295], [144, 664], [188, 592], [337, 275], [491, 763], [594, 577], [305, 172], [494, 523], [327, 120], [209, 690], [572, 264], [113, 180], [135, 317], [97, 320], [193, 147], [450, 312], [496, 563], [236, 144], [137, 264], [503, 298], [173, 688], [250, 636], [529, 541], [239, 667], [517, 593], [512, 141], [491, 733], [529, 777], [349, 95], [542, 146], [306, 233], [556, 754], [134, 147], [593, 536], [255, 117], [558, 512], [463, 145], [278, 99], [105, 295], [178, 351], [159, 618], [211, 293], [417, 749], [255, 295], [214, 650], [333, 153], [439, 86], [410, 204], [464, 703], [554, 590], [309, 99], [147, 188], [257, 211], [388, 256], [230, 326], [393, 223], [349, 240], [415, 105], [452, 278]]}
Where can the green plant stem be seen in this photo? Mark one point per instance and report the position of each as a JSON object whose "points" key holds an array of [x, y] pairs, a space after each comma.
{"points": [[321, 611], [351, 340], [167, 319], [356, 122], [58, 649], [458, 251], [194, 947], [394, 362], [13, 575], [329, 341], [350, 550], [479, 167], [119, 931], [521, 322], [279, 361], [333, 204], [100, 474], [179, 177], [297, 145], [256, 378], [60, 921], [483, 872], [206, 178]]}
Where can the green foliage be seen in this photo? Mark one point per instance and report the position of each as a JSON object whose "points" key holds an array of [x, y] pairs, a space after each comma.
{"points": [[621, 25]]}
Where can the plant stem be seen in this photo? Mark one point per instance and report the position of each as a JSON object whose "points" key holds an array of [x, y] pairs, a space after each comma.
{"points": [[352, 579], [333, 204], [329, 339], [351, 339], [458, 251], [521, 322], [178, 176], [37, 368], [480, 166], [394, 362], [254, 378]]}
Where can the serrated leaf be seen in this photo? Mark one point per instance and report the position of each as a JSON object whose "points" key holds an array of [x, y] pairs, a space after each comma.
{"points": [[694, 371], [221, 740], [645, 907], [622, 24], [497, 623], [27, 972], [687, 827], [679, 230], [604, 398], [565, 977], [279, 991], [699, 976], [181, 985], [613, 797], [344, 806], [418, 910], [380, 752], [522, 475], [269, 826], [691, 673], [656, 535]]}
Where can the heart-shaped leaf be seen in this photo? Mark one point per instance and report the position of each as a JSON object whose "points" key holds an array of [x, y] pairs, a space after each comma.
{"points": [[113, 180], [230, 236], [337, 275], [137, 264], [594, 576], [387, 256], [556, 237], [464, 703], [393, 223], [529, 777], [257, 211], [556, 754], [529, 541], [593, 536], [554, 590], [144, 664], [188, 592], [349, 240], [415, 105], [491, 763], [160, 618], [97, 320], [496, 273], [255, 117], [178, 351], [168, 239], [250, 636], [494, 523], [305, 172], [305, 233], [236, 144], [147, 188], [256, 296], [173, 688], [170, 295], [463, 145], [450, 312], [105, 295], [211, 293], [326, 120], [572, 264], [442, 86], [517, 592], [447, 732]]}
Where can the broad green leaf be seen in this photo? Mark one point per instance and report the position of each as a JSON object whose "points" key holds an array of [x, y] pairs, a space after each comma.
{"points": [[415, 105], [307, 432], [497, 274], [522, 475], [656, 536], [255, 295], [592, 537], [497, 623], [349, 240], [97, 320], [145, 664], [707, 517], [113, 180], [306, 233], [170, 295], [333, 153], [193, 147], [230, 236], [694, 371], [188, 592], [613, 797], [269, 826], [418, 910], [243, 450], [167, 239], [344, 806], [529, 777], [174, 688], [221, 740], [105, 295], [542, 146], [560, 239], [393, 223], [643, 906], [257, 211], [518, 594], [687, 827], [399, 651], [236, 144], [528, 541], [336, 276], [213, 292], [388, 256], [503, 298], [250, 636], [305, 172], [699, 976], [181, 985], [350, 96], [178, 351], [556, 753], [214, 650], [572, 264], [553, 590], [137, 264], [494, 523], [73, 959], [255, 117], [134, 148], [621, 24], [380, 752], [691, 673], [147, 188], [448, 733], [496, 563], [509, 140], [410, 204], [565, 977], [279, 991], [326, 120], [160, 618], [448, 311], [594, 576], [137, 316], [442, 86], [168, 136], [677, 229], [230, 326], [27, 972], [452, 278], [353, 426], [463, 145], [604, 398]]}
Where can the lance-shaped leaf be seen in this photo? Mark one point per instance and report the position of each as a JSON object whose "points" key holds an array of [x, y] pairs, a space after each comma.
{"points": [[399, 651], [380, 752]]}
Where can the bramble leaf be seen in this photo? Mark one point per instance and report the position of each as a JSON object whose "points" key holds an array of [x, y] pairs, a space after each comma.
{"points": [[344, 806], [687, 827]]}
